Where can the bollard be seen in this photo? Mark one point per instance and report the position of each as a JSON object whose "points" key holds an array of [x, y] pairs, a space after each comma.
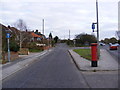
{"points": [[94, 55]]}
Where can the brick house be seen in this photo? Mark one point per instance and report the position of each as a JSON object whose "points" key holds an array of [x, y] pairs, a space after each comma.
{"points": [[35, 37]]}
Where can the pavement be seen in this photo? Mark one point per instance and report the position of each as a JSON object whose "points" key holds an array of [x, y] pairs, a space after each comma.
{"points": [[105, 63], [22, 62]]}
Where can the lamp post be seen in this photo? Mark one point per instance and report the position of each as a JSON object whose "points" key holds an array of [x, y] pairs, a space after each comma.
{"points": [[43, 26], [97, 23], [93, 27], [69, 34]]}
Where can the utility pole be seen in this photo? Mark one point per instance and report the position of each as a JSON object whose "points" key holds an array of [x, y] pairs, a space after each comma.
{"points": [[98, 50], [93, 27], [69, 34], [43, 29], [97, 22], [43, 26]]}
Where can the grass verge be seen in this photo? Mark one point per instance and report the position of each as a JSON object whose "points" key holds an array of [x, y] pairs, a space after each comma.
{"points": [[35, 50], [85, 53]]}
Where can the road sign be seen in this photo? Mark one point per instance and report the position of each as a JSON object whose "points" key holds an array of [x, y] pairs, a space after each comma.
{"points": [[93, 26], [8, 35]]}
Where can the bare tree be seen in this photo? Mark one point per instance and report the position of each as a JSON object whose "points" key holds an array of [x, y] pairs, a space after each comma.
{"points": [[23, 33]]}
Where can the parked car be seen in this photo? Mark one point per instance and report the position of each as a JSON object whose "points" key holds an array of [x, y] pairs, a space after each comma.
{"points": [[110, 44], [101, 44], [114, 46]]}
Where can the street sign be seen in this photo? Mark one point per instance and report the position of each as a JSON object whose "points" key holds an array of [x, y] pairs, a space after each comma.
{"points": [[8, 35], [93, 26]]}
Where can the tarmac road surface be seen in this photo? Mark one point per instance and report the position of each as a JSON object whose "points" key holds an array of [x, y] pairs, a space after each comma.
{"points": [[56, 70]]}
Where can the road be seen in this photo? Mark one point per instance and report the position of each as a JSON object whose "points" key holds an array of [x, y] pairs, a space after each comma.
{"points": [[56, 70], [114, 53]]}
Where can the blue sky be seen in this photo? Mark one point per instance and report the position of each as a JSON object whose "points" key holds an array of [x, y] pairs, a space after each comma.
{"points": [[62, 15]]}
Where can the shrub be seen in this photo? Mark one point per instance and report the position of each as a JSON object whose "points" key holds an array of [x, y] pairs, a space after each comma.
{"points": [[14, 46], [69, 42]]}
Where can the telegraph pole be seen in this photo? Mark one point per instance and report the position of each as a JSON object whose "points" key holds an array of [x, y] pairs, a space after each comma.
{"points": [[93, 27], [69, 34], [97, 22], [43, 29], [98, 50], [43, 26]]}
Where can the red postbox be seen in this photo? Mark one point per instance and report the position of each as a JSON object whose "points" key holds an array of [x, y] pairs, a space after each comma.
{"points": [[94, 54]]}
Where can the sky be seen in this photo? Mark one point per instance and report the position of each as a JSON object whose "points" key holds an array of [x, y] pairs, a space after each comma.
{"points": [[62, 15]]}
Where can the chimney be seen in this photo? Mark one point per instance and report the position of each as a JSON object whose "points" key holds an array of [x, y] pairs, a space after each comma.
{"points": [[37, 31], [9, 26]]}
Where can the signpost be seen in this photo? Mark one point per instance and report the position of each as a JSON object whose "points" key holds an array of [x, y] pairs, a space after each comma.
{"points": [[93, 26], [8, 36]]}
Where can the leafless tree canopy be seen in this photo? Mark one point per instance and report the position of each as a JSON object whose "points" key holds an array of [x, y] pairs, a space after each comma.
{"points": [[21, 25], [23, 32]]}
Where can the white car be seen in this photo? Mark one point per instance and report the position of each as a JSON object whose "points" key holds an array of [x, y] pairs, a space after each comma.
{"points": [[110, 44], [101, 44]]}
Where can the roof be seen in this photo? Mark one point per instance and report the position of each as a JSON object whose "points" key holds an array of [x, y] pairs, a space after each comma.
{"points": [[16, 31], [35, 35]]}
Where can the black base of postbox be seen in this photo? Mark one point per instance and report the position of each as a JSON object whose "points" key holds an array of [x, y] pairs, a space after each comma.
{"points": [[94, 64]]}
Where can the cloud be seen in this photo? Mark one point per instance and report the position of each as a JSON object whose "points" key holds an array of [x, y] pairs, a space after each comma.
{"points": [[61, 15], [59, 0]]}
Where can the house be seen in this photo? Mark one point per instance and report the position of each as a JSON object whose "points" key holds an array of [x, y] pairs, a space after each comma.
{"points": [[39, 33], [35, 37], [31, 36]]}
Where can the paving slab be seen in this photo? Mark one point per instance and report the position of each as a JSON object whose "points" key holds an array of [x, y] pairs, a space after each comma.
{"points": [[105, 63]]}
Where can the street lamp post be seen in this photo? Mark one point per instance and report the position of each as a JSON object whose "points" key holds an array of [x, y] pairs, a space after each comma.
{"points": [[43, 29], [97, 21], [93, 27], [98, 50]]}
